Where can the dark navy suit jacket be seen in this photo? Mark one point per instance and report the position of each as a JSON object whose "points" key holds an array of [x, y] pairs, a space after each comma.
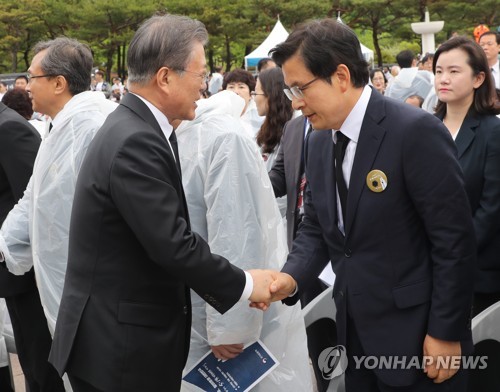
{"points": [[403, 269], [125, 316], [478, 144]]}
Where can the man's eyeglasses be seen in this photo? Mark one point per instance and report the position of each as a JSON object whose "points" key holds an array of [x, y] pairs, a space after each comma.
{"points": [[39, 76], [297, 92], [204, 76]]}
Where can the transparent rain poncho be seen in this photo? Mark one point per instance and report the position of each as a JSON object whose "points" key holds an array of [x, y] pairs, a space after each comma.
{"points": [[232, 206], [36, 231]]}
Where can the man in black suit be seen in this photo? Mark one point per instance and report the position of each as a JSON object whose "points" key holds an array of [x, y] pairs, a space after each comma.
{"points": [[19, 143], [125, 315], [386, 203], [288, 178]]}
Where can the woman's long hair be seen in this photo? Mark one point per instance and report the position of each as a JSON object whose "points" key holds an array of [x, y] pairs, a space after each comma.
{"points": [[279, 109], [485, 96]]}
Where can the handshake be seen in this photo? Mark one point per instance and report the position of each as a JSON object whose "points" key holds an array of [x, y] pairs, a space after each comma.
{"points": [[270, 286]]}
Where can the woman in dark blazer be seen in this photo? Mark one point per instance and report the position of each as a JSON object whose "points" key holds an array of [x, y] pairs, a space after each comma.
{"points": [[468, 106]]}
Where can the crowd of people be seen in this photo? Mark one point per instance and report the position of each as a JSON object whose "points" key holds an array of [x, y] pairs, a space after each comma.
{"points": [[149, 222]]}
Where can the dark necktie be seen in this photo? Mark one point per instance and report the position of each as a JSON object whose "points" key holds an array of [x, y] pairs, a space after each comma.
{"points": [[339, 153], [173, 142]]}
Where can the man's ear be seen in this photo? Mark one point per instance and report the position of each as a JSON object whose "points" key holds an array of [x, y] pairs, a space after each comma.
{"points": [[342, 77], [164, 77], [61, 84]]}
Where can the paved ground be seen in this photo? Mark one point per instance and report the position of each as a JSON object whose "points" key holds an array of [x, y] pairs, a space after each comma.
{"points": [[17, 373]]}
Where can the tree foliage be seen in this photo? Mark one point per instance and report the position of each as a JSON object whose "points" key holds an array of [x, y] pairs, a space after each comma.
{"points": [[235, 27]]}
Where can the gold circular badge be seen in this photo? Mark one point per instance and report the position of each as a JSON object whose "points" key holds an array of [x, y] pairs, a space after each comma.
{"points": [[376, 181]]}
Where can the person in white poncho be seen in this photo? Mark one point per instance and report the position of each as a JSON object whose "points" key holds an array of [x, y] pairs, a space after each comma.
{"points": [[35, 233], [232, 206]]}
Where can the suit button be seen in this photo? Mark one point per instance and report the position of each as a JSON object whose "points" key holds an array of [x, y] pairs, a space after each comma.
{"points": [[347, 253], [185, 309], [341, 293]]}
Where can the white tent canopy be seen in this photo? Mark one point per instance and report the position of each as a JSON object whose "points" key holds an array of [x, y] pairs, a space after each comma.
{"points": [[279, 35], [367, 54], [275, 37]]}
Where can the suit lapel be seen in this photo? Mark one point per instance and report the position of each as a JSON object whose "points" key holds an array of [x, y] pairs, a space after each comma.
{"points": [[135, 104], [370, 139], [466, 134], [139, 107], [324, 170], [296, 149]]}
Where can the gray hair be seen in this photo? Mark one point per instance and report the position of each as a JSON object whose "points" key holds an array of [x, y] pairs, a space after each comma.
{"points": [[163, 41], [69, 58]]}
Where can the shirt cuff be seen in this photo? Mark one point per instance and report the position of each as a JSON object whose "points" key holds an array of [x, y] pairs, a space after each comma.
{"points": [[294, 291], [247, 291]]}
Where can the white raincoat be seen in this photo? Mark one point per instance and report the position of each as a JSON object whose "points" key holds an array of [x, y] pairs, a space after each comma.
{"points": [[410, 81], [35, 233], [232, 205]]}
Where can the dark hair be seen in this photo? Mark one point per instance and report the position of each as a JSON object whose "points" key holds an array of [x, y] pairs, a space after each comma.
{"points": [[99, 73], [262, 62], [418, 97], [163, 41], [22, 77], [280, 109], [239, 75], [68, 58], [485, 97], [427, 57], [324, 45], [19, 100], [497, 36], [405, 58], [217, 68], [374, 70]]}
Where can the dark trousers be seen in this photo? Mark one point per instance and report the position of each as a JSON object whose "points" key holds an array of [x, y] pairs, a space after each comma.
{"points": [[320, 335], [5, 384], [486, 380], [33, 341], [366, 380], [80, 385]]}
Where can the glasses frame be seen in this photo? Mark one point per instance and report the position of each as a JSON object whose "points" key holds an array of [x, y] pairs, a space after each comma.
{"points": [[204, 76], [39, 76], [253, 94], [296, 91]]}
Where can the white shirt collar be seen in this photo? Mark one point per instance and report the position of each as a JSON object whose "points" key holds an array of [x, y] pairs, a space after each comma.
{"points": [[159, 116], [352, 124]]}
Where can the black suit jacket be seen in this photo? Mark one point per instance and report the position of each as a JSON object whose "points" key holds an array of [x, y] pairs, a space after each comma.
{"points": [[19, 143], [403, 268], [478, 144], [286, 172], [125, 315]]}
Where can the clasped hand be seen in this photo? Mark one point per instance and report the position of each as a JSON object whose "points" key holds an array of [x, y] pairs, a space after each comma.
{"points": [[270, 286]]}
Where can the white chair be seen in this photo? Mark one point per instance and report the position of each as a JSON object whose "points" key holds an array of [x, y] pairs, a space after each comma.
{"points": [[323, 306], [486, 325]]}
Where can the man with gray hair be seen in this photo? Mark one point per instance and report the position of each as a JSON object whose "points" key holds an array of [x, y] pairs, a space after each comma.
{"points": [[125, 316], [35, 233]]}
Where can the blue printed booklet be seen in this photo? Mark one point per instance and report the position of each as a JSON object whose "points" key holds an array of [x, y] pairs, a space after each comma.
{"points": [[239, 374]]}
